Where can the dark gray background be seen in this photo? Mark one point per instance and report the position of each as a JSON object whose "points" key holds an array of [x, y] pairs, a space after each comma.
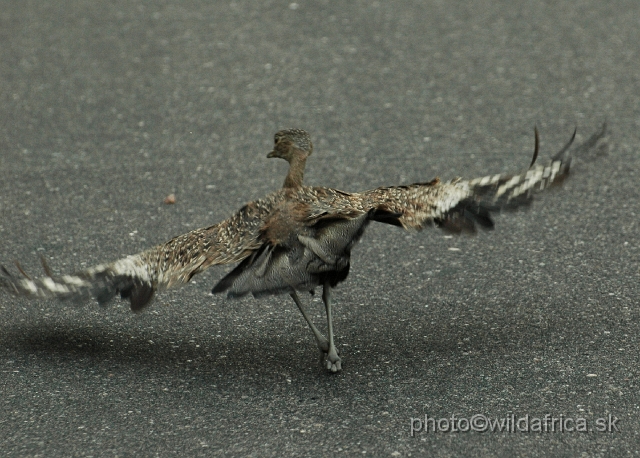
{"points": [[107, 107]]}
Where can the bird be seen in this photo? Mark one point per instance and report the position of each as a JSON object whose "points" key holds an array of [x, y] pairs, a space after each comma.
{"points": [[300, 237]]}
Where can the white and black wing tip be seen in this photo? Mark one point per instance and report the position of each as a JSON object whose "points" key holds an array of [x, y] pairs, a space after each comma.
{"points": [[495, 193], [103, 283]]}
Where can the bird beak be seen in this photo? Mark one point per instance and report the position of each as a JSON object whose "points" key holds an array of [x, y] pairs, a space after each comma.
{"points": [[271, 154]]}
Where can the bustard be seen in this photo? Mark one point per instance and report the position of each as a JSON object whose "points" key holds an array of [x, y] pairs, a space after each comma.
{"points": [[300, 237]]}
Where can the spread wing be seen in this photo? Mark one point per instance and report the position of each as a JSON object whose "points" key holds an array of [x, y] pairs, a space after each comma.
{"points": [[170, 264], [463, 205]]}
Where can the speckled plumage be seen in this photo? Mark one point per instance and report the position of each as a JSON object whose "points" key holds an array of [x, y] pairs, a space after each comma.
{"points": [[299, 237]]}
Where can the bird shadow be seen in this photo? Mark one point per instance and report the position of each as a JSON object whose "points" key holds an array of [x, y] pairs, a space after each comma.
{"points": [[258, 354], [102, 343]]}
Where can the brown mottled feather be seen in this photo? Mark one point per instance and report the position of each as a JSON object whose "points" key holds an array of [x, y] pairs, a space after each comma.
{"points": [[299, 218]]}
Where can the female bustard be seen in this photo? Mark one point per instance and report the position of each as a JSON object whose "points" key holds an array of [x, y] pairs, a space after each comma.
{"points": [[299, 237]]}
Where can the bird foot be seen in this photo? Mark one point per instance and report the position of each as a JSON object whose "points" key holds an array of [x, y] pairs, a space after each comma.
{"points": [[333, 361], [329, 357]]}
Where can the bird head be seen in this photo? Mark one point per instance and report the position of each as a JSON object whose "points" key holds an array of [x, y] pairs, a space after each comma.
{"points": [[291, 142]]}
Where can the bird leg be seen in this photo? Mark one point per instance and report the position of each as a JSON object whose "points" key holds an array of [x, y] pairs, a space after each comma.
{"points": [[334, 363], [323, 343]]}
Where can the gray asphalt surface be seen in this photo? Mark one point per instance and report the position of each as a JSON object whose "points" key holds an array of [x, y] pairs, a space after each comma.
{"points": [[108, 107]]}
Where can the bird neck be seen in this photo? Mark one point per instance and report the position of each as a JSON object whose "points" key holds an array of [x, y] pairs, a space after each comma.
{"points": [[296, 171]]}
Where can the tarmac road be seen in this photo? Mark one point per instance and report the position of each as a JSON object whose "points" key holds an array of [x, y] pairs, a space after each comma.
{"points": [[108, 107]]}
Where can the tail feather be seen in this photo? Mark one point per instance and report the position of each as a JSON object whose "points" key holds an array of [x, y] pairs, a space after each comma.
{"points": [[319, 254]]}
